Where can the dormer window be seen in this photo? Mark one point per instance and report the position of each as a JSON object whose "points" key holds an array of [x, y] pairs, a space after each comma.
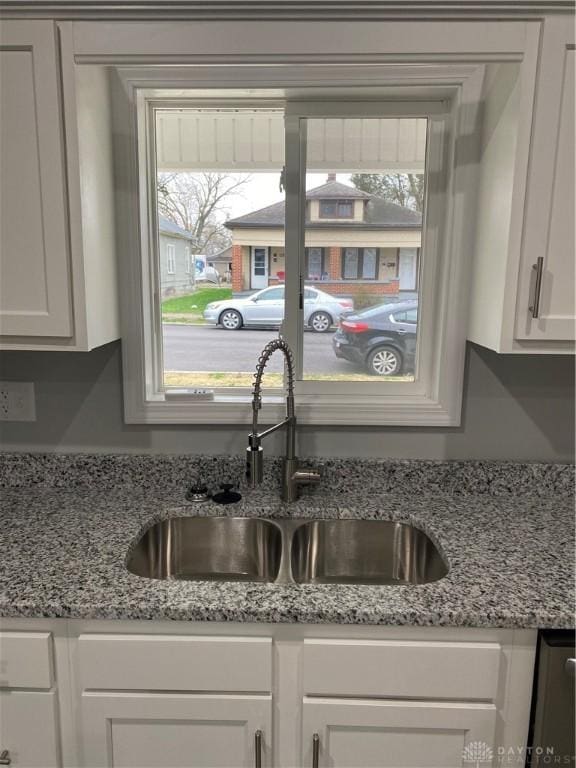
{"points": [[336, 209]]}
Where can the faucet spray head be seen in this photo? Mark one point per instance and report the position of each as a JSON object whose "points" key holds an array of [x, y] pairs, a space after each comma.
{"points": [[254, 465]]}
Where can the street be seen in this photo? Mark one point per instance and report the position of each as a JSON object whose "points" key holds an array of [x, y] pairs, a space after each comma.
{"points": [[207, 348]]}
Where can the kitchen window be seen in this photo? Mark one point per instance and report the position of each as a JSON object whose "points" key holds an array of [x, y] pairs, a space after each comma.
{"points": [[243, 140]]}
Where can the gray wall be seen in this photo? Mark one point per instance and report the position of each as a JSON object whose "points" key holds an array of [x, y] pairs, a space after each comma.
{"points": [[515, 407]]}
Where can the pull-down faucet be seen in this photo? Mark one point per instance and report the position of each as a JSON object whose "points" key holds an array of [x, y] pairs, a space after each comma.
{"points": [[292, 475]]}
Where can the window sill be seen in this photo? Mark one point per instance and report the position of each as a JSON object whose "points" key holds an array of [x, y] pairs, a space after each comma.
{"points": [[368, 410]]}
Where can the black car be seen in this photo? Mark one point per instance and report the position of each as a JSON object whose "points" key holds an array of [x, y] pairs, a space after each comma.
{"points": [[381, 339]]}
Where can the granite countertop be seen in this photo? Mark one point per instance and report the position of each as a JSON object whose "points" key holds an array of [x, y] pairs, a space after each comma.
{"points": [[506, 530]]}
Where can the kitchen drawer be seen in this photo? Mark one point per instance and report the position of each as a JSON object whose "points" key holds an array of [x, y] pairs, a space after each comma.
{"points": [[28, 728], [25, 660], [395, 669], [175, 663]]}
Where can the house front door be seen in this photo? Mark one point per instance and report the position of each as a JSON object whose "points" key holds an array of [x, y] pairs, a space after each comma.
{"points": [[259, 268], [407, 268]]}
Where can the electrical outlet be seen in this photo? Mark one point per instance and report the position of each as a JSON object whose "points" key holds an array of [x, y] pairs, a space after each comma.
{"points": [[17, 401]]}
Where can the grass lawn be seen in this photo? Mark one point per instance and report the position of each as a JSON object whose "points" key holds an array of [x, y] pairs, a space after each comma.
{"points": [[213, 379], [193, 304]]}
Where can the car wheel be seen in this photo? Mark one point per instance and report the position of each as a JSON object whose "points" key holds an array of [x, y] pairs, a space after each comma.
{"points": [[320, 322], [230, 320], [384, 361]]}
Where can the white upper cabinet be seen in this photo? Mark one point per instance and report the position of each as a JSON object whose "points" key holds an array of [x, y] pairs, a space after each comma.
{"points": [[35, 297], [57, 250], [546, 293], [523, 274], [58, 190]]}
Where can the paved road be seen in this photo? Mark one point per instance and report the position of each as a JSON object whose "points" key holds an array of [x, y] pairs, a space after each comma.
{"points": [[206, 348]]}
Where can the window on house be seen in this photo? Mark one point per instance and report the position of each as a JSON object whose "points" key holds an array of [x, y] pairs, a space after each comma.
{"points": [[369, 263], [315, 264], [360, 264], [341, 331], [350, 263], [336, 209], [189, 261], [171, 259]]}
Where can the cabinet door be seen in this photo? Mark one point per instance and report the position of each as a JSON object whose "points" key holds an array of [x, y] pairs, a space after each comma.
{"points": [[398, 734], [28, 728], [142, 730], [549, 216], [35, 295]]}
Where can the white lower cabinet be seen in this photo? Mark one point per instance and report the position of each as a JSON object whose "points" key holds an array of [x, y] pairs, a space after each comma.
{"points": [[136, 694], [29, 710], [395, 734], [29, 729], [140, 730]]}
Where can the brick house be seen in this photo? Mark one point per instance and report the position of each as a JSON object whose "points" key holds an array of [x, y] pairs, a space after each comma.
{"points": [[355, 243]]}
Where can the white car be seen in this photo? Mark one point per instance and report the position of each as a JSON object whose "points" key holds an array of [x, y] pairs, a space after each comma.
{"points": [[266, 308]]}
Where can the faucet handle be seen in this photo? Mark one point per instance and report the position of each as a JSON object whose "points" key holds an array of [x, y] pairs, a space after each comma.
{"points": [[304, 476]]}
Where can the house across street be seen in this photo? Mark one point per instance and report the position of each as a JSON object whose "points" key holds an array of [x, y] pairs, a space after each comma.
{"points": [[357, 243]]}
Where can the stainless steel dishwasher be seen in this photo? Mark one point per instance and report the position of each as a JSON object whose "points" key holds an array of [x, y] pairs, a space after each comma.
{"points": [[552, 729]]}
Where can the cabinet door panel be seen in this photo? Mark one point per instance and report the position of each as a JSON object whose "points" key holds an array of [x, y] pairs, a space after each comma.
{"points": [[34, 259], [549, 224], [394, 734], [28, 728], [137, 730]]}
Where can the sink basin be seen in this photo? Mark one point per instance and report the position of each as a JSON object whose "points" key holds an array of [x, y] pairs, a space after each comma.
{"points": [[222, 548], [364, 552], [286, 551]]}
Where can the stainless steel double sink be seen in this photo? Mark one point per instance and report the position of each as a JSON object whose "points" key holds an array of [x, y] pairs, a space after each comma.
{"points": [[287, 551]]}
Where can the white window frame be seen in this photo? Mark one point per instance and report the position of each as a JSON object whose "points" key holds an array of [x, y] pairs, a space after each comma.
{"points": [[450, 97], [170, 259], [188, 259]]}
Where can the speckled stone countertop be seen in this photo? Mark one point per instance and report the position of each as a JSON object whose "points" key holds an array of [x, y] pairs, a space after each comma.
{"points": [[506, 530]]}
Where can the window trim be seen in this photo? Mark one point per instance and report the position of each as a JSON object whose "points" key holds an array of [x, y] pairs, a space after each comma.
{"points": [[437, 403]]}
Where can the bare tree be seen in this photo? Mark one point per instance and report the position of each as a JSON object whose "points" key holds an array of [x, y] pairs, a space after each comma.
{"points": [[405, 189], [197, 202]]}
